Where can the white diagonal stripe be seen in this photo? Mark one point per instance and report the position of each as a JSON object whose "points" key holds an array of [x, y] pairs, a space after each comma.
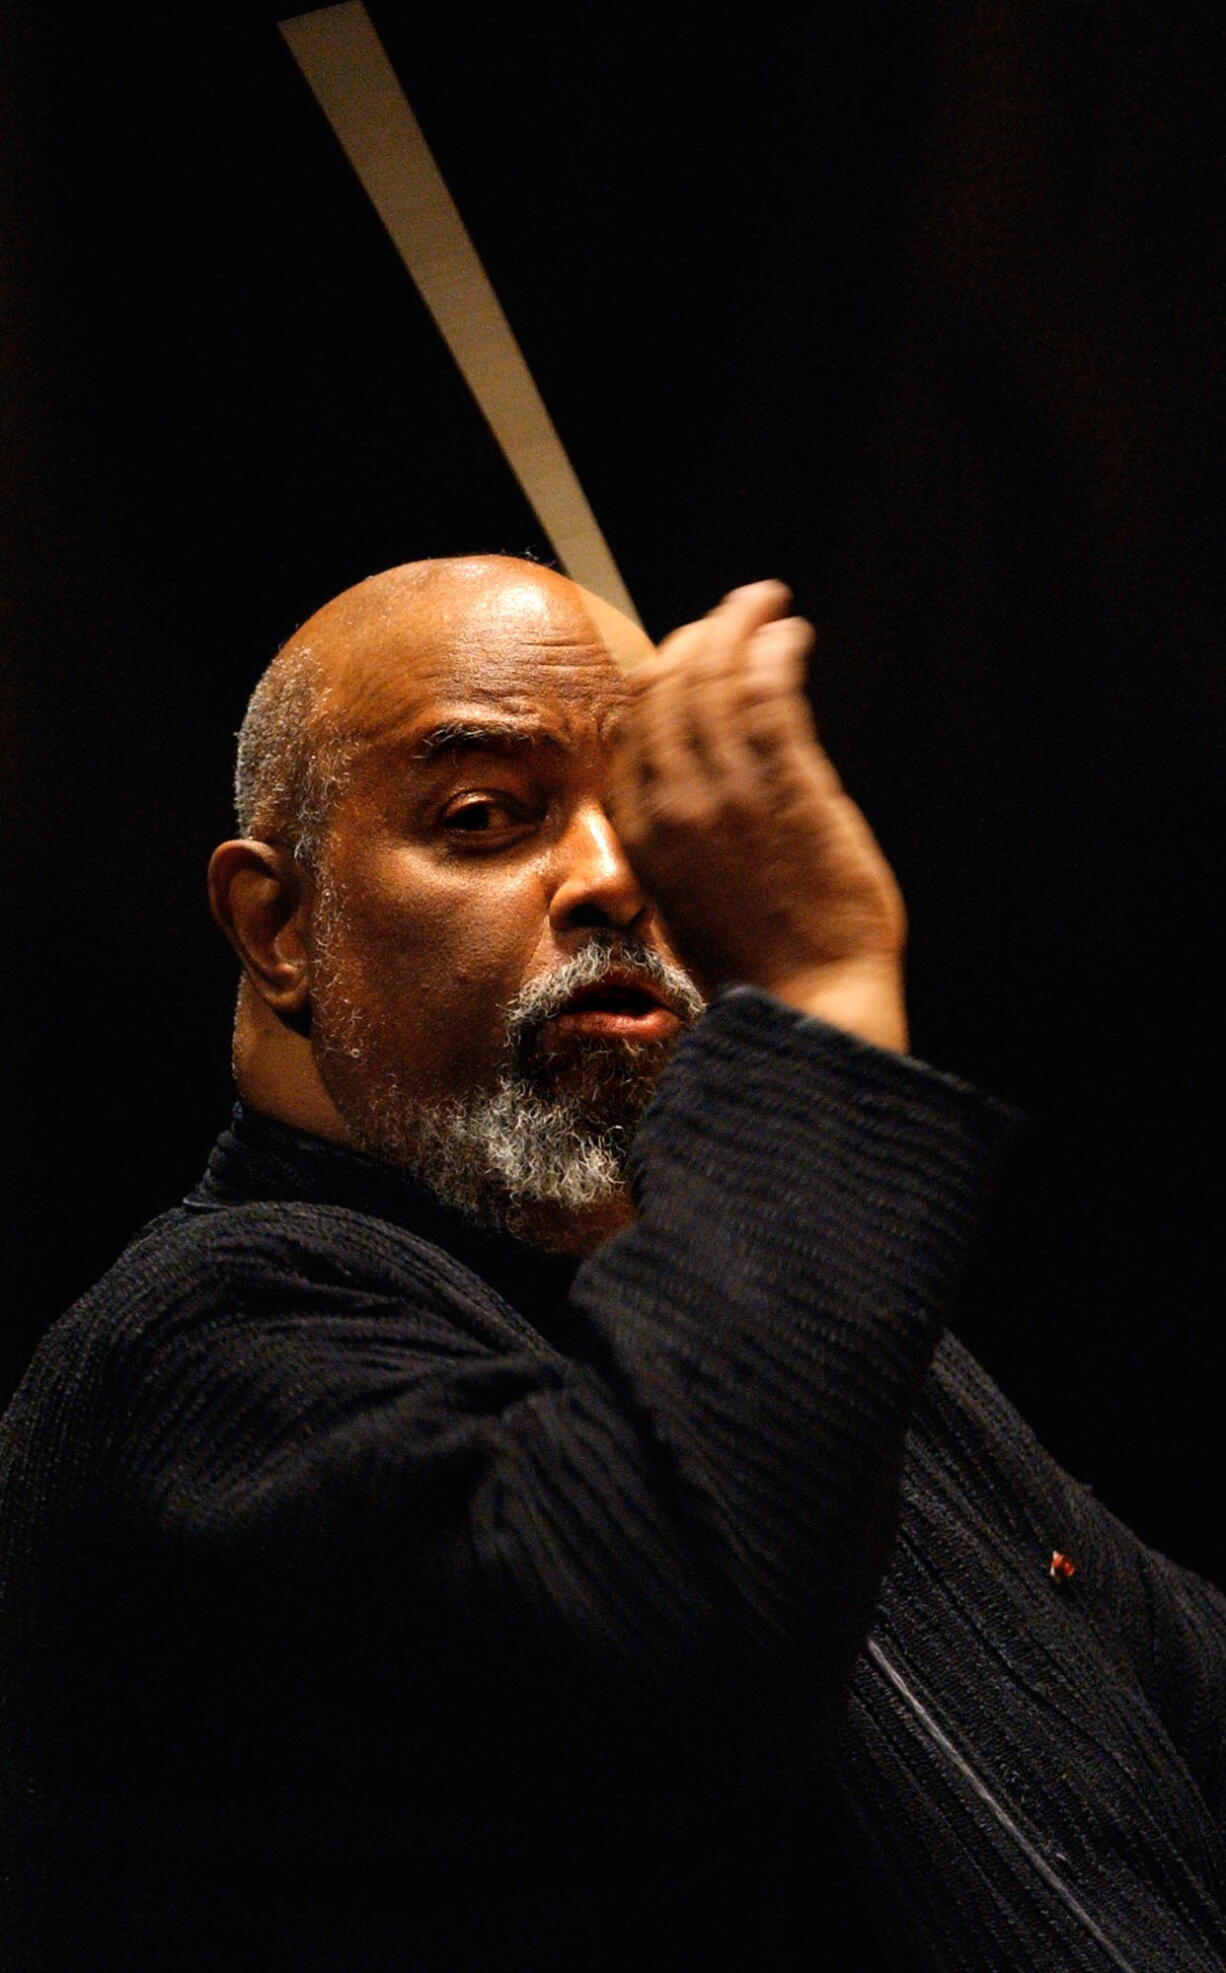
{"points": [[355, 85]]}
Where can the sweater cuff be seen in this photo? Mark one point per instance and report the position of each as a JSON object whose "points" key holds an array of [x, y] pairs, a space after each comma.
{"points": [[748, 1038]]}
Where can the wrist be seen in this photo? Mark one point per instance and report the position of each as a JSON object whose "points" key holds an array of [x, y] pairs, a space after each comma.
{"points": [[864, 996]]}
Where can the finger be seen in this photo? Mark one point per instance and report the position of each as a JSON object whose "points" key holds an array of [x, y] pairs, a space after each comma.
{"points": [[695, 659], [665, 738], [677, 648], [776, 657], [715, 668], [733, 623], [708, 687], [770, 706], [777, 724], [623, 797], [734, 618], [753, 603], [683, 697]]}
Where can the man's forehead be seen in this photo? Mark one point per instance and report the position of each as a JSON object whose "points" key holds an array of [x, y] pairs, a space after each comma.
{"points": [[523, 645]]}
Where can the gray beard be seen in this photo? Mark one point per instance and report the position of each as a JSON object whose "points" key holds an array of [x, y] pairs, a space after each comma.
{"points": [[500, 1154]]}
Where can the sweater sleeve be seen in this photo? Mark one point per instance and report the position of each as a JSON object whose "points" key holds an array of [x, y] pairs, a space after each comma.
{"points": [[707, 1470], [806, 1204]]}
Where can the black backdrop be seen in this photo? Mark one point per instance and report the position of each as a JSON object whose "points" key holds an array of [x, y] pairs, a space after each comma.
{"points": [[915, 305]]}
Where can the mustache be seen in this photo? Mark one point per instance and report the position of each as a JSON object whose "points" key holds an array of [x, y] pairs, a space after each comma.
{"points": [[605, 953]]}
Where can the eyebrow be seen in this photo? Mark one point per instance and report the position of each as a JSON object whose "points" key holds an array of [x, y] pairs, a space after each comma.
{"points": [[487, 736]]}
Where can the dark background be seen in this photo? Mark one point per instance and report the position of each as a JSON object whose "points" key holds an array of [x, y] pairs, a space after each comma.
{"points": [[917, 306]]}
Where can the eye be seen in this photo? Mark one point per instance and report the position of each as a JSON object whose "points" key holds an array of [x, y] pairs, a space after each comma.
{"points": [[478, 815]]}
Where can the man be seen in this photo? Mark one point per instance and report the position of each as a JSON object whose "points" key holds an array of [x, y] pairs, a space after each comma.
{"points": [[466, 1533]]}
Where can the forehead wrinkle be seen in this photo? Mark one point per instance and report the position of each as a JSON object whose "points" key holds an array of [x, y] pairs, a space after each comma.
{"points": [[527, 664], [374, 701], [503, 715], [549, 662], [537, 681]]}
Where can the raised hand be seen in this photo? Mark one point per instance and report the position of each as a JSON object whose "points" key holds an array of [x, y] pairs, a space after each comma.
{"points": [[763, 868]]}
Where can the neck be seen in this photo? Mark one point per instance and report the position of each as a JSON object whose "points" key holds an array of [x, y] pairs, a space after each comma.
{"points": [[276, 1072]]}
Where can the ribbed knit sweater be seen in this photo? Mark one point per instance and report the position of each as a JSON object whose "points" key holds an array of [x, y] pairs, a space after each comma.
{"points": [[377, 1593]]}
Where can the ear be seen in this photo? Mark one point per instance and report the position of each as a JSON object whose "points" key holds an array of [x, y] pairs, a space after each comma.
{"points": [[260, 896]]}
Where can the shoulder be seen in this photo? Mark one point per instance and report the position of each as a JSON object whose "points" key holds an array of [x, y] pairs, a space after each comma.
{"points": [[272, 1250], [263, 1277]]}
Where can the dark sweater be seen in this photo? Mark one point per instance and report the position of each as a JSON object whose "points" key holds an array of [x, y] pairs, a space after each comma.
{"points": [[379, 1594]]}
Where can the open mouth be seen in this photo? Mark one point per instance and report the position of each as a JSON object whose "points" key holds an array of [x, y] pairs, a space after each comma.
{"points": [[617, 1007]]}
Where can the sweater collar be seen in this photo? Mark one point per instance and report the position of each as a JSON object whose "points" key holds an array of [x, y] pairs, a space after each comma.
{"points": [[259, 1159]]}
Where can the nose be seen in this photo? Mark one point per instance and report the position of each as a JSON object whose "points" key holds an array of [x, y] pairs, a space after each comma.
{"points": [[596, 885]]}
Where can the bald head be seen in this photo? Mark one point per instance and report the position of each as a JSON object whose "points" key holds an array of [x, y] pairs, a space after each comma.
{"points": [[350, 673]]}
